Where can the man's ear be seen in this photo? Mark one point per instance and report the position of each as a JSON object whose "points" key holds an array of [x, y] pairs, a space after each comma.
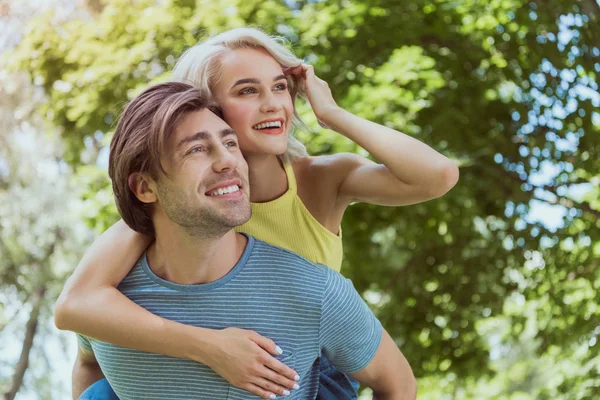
{"points": [[143, 187]]}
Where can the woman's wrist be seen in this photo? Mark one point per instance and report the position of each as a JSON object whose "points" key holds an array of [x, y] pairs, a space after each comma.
{"points": [[191, 342], [331, 116]]}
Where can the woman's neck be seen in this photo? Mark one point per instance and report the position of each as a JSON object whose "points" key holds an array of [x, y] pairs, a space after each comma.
{"points": [[268, 180]]}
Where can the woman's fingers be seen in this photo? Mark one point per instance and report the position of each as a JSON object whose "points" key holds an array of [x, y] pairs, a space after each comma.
{"points": [[242, 358], [304, 70], [309, 71], [294, 70], [259, 391], [274, 370], [278, 372], [318, 91], [265, 343], [270, 387], [271, 362]]}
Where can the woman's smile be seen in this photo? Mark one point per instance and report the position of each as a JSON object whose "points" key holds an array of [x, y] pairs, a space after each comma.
{"points": [[271, 126]]}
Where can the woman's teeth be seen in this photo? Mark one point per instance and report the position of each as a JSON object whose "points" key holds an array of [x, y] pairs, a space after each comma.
{"points": [[225, 190], [274, 124]]}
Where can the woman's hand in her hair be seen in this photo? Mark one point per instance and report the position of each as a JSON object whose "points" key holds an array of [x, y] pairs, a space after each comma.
{"points": [[318, 92], [246, 360]]}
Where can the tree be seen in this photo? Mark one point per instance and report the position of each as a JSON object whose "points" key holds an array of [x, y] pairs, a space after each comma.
{"points": [[41, 236]]}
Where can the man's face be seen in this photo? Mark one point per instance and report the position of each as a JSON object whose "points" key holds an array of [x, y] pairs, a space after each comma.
{"points": [[206, 190]]}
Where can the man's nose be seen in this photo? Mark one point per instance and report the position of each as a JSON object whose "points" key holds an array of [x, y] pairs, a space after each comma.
{"points": [[224, 160]]}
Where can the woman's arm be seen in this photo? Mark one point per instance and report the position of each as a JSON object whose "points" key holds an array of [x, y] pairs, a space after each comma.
{"points": [[103, 267], [91, 305], [411, 171]]}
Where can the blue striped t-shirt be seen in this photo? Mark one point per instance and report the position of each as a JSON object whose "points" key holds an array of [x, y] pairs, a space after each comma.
{"points": [[307, 309]]}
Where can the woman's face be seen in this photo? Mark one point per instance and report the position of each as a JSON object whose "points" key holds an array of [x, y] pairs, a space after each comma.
{"points": [[254, 97]]}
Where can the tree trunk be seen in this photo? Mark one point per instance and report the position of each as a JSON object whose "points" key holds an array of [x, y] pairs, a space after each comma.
{"points": [[592, 8], [23, 363]]}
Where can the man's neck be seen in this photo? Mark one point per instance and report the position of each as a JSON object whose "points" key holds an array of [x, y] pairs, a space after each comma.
{"points": [[267, 177], [178, 257]]}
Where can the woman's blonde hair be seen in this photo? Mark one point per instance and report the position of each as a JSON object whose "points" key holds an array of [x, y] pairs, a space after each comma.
{"points": [[200, 66]]}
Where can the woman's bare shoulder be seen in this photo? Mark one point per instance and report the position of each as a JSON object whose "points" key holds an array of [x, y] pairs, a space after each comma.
{"points": [[329, 167], [319, 179]]}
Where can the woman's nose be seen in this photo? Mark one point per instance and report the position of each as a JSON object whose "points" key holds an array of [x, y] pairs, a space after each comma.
{"points": [[270, 103]]}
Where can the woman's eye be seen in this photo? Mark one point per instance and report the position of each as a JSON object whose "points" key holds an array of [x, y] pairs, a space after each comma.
{"points": [[281, 86], [248, 91]]}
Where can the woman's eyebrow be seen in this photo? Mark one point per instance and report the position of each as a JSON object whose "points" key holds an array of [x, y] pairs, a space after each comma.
{"points": [[244, 81], [255, 81]]}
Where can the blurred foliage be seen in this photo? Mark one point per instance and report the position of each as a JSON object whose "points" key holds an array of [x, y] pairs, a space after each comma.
{"points": [[41, 235], [508, 88]]}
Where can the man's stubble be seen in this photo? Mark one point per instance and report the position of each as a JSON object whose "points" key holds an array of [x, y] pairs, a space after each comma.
{"points": [[201, 219]]}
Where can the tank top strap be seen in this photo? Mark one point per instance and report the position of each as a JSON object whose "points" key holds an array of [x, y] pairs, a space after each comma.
{"points": [[289, 172]]}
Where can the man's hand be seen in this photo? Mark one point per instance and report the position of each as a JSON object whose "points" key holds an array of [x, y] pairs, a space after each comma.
{"points": [[245, 359]]}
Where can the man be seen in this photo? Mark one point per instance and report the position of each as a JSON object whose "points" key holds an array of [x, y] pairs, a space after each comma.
{"points": [[177, 172]]}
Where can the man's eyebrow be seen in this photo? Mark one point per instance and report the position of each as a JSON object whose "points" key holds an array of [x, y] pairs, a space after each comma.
{"points": [[202, 135], [228, 132], [255, 81]]}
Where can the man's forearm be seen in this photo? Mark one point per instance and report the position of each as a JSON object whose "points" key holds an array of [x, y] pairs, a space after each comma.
{"points": [[389, 374], [409, 392], [84, 375], [403, 386]]}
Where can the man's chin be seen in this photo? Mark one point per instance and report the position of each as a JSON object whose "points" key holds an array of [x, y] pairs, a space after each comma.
{"points": [[236, 219], [235, 214]]}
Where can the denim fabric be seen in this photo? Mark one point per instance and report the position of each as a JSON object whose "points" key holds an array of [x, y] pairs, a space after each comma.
{"points": [[100, 390], [335, 385]]}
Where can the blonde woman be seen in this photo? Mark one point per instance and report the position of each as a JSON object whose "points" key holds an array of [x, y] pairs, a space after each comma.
{"points": [[298, 203]]}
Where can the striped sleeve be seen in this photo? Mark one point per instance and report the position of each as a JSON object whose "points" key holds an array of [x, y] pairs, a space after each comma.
{"points": [[349, 333], [84, 345]]}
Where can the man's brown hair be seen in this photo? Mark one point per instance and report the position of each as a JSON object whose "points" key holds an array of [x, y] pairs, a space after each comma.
{"points": [[138, 143]]}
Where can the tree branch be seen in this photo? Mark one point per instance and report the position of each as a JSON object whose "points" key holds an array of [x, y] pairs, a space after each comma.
{"points": [[592, 8], [560, 200], [14, 316], [30, 330], [568, 203], [6, 252]]}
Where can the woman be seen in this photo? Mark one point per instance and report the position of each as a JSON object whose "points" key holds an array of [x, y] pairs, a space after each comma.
{"points": [[298, 203]]}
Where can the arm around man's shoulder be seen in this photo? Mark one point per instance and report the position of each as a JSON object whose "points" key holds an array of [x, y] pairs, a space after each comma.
{"points": [[354, 341]]}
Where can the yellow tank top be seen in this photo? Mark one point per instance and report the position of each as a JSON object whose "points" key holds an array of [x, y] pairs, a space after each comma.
{"points": [[286, 222]]}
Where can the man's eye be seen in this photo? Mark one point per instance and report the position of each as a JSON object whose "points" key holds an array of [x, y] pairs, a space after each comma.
{"points": [[197, 149], [231, 144]]}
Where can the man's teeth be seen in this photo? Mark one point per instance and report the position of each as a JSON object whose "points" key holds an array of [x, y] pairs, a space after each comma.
{"points": [[273, 124], [225, 190]]}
